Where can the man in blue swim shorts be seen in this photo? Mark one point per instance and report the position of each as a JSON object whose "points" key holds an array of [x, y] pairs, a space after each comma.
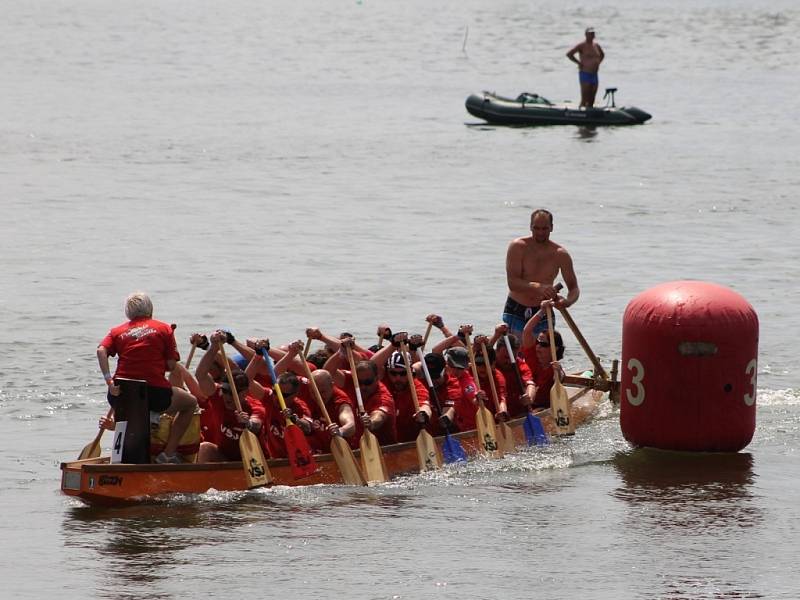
{"points": [[590, 55], [532, 264]]}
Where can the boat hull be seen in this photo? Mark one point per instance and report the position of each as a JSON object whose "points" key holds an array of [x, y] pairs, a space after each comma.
{"points": [[96, 481], [505, 111]]}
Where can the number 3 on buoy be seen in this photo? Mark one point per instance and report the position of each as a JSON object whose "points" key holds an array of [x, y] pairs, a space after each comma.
{"points": [[752, 370], [636, 381]]}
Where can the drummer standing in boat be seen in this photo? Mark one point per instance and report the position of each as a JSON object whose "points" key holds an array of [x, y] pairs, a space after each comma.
{"points": [[532, 264], [590, 55]]}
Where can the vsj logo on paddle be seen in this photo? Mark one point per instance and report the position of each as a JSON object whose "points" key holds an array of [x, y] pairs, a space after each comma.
{"points": [[256, 468], [562, 419]]}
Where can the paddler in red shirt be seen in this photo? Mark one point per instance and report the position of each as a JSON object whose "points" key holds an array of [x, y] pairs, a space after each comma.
{"points": [[379, 409], [518, 400], [222, 425], [409, 420], [537, 355], [146, 349]]}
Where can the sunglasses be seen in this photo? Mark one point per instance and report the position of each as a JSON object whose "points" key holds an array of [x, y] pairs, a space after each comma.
{"points": [[397, 373], [543, 343], [366, 382]]}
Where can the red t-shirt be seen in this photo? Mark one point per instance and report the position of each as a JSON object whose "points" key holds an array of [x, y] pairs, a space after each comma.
{"points": [[320, 439], [381, 400], [513, 393], [541, 376], [219, 424], [407, 427], [144, 346], [465, 402], [499, 384], [275, 423]]}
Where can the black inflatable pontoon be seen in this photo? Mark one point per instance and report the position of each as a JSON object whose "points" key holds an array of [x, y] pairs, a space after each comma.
{"points": [[533, 109]]}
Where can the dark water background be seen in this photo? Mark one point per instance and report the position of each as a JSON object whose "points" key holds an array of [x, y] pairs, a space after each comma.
{"points": [[270, 166]]}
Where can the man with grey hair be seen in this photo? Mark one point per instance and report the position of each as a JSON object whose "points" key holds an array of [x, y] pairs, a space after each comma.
{"points": [[145, 349]]}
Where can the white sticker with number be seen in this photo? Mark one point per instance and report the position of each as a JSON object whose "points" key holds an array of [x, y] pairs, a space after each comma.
{"points": [[119, 441], [636, 398], [752, 371]]}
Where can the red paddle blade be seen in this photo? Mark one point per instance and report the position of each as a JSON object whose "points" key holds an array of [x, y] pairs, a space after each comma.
{"points": [[300, 457]]}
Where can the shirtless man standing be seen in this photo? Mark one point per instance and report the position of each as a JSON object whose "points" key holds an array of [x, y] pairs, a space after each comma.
{"points": [[590, 55], [532, 265]]}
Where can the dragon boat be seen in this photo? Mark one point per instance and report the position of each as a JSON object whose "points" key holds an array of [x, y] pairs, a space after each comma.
{"points": [[533, 109], [97, 481]]}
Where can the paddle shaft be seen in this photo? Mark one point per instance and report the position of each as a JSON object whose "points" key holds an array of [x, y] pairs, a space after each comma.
{"points": [[490, 377], [584, 344], [275, 386], [512, 357], [317, 396], [427, 333], [191, 355], [431, 390], [307, 348], [354, 376], [410, 376], [474, 368]]}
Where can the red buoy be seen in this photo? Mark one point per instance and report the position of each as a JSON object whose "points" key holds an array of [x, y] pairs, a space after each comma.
{"points": [[689, 365]]}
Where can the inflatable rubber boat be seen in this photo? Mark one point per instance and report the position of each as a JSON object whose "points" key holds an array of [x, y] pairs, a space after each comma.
{"points": [[533, 109]]}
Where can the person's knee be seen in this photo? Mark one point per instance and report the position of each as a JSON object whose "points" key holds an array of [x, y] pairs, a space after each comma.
{"points": [[182, 400]]}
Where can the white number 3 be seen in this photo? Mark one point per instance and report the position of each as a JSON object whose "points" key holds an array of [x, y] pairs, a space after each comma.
{"points": [[638, 376], [752, 370]]}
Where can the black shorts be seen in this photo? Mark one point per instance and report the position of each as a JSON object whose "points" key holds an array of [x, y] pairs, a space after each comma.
{"points": [[158, 398]]}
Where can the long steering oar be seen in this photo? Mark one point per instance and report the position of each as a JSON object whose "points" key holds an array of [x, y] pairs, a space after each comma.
{"points": [[599, 370], [532, 425], [255, 466], [371, 454], [342, 453], [484, 420], [297, 449], [505, 436], [451, 449], [427, 450], [559, 401]]}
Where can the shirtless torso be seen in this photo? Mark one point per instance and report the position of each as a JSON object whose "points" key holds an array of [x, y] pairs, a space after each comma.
{"points": [[533, 263], [590, 55]]}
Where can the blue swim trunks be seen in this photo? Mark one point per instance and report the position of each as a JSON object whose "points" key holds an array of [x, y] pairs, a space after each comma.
{"points": [[515, 315], [590, 78]]}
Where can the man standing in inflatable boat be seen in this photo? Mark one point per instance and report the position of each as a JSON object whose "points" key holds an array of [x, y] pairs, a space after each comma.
{"points": [[590, 55]]}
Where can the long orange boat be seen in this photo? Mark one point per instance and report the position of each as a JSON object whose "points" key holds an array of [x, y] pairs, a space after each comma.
{"points": [[96, 481]]}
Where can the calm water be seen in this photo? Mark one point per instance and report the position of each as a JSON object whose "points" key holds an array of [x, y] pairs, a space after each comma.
{"points": [[271, 166]]}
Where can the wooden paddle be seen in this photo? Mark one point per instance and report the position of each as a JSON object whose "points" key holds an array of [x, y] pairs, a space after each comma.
{"points": [[427, 333], [428, 452], [92, 449], [534, 432], [484, 420], [371, 453], [255, 466], [297, 449], [505, 436], [307, 348], [599, 370], [342, 453], [451, 449], [559, 401]]}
